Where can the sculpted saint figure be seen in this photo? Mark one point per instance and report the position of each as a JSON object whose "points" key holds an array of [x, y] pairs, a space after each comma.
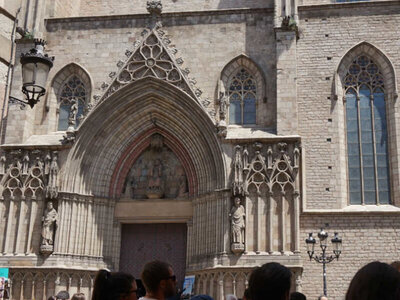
{"points": [[73, 112], [237, 216], [49, 223]]}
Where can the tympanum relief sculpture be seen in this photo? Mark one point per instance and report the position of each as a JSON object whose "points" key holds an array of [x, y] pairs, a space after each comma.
{"points": [[49, 220], [157, 173]]}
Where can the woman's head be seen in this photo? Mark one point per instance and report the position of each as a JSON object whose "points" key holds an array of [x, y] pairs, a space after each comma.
{"points": [[375, 281], [114, 286]]}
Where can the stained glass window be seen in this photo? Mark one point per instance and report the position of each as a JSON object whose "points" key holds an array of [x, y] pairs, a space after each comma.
{"points": [[73, 90], [242, 99], [367, 150]]}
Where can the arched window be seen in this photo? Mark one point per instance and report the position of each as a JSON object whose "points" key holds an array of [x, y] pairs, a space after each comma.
{"points": [[367, 137], [242, 98], [73, 91]]}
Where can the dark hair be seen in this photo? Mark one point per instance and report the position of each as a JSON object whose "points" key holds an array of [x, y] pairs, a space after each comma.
{"points": [[63, 295], [246, 294], [111, 286], [375, 281], [270, 281], [297, 296], [78, 296], [152, 274], [396, 265], [52, 298]]}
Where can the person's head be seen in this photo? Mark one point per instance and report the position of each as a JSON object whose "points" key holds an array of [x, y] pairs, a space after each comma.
{"points": [[396, 265], [322, 297], [159, 279], [375, 281], [62, 295], [114, 286], [52, 298], [78, 296], [297, 296], [270, 281]]}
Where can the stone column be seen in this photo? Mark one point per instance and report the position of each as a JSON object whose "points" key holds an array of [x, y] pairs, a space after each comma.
{"points": [[286, 98]]}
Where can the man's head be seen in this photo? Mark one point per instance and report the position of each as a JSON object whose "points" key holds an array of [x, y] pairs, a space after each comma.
{"points": [[159, 279], [62, 295], [322, 297], [270, 281]]}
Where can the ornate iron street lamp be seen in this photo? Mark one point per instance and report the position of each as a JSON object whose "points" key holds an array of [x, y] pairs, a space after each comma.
{"points": [[323, 241], [35, 69]]}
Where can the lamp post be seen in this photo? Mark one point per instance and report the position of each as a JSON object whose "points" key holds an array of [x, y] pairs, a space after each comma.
{"points": [[323, 258], [35, 69]]}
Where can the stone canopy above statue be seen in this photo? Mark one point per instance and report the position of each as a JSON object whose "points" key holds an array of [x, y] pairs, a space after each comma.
{"points": [[157, 173]]}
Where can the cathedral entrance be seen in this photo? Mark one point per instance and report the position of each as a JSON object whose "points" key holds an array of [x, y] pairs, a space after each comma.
{"points": [[141, 243]]}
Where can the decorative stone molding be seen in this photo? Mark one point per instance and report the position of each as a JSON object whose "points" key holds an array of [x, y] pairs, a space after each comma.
{"points": [[154, 7], [154, 57], [29, 174], [275, 165]]}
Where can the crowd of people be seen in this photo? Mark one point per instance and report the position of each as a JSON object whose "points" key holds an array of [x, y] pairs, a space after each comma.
{"points": [[271, 281]]}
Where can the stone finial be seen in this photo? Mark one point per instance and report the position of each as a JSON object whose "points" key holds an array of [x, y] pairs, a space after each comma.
{"points": [[154, 7]]}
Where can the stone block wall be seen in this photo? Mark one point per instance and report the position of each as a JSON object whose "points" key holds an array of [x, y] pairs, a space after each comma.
{"points": [[325, 37], [366, 238], [206, 46], [98, 7]]}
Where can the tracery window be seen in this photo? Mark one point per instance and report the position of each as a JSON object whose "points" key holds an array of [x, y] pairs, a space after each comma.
{"points": [[367, 138], [73, 91], [242, 99]]}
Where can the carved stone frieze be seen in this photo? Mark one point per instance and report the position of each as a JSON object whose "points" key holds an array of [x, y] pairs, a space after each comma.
{"points": [[273, 165], [28, 174]]}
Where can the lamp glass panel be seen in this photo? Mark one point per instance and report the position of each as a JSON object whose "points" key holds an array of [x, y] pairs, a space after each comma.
{"points": [[28, 73], [42, 72]]}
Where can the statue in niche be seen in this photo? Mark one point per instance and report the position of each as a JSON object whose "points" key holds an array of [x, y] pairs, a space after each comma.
{"points": [[237, 217], [49, 220], [73, 112]]}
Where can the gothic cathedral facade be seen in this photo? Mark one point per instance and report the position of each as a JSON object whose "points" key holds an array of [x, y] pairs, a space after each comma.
{"points": [[213, 134]]}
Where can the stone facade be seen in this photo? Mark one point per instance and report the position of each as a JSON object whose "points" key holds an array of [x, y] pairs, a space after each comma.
{"points": [[154, 142]]}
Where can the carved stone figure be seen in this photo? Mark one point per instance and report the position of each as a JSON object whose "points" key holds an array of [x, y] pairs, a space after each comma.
{"points": [[49, 220], [155, 182], [238, 172], [52, 187], [73, 113], [154, 7], [237, 217]]}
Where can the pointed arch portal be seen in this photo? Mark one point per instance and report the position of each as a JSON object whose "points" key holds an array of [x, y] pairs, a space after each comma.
{"points": [[119, 128]]}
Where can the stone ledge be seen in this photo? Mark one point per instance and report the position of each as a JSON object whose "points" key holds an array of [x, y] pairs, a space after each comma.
{"points": [[347, 5], [250, 133], [164, 15], [357, 209]]}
